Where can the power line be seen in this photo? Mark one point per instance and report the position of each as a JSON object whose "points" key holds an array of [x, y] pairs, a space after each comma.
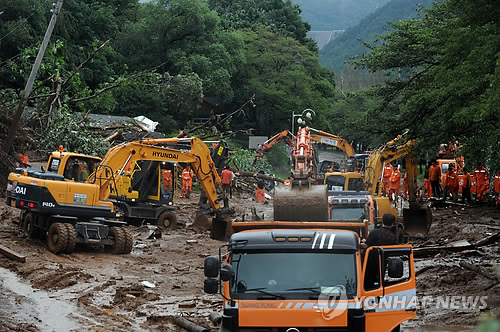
{"points": [[24, 19]]}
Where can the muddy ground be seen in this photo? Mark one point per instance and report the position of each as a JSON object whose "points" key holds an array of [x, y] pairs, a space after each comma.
{"points": [[163, 278]]}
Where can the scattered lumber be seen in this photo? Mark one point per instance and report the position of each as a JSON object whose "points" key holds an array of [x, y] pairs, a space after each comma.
{"points": [[12, 254]]}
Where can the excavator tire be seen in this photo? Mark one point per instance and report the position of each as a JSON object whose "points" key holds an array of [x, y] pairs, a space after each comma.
{"points": [[57, 238], [70, 247], [417, 220], [129, 240], [29, 228], [301, 204], [167, 220], [119, 238]]}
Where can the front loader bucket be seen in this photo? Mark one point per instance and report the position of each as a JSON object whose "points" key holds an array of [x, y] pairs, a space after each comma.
{"points": [[301, 204], [417, 220]]}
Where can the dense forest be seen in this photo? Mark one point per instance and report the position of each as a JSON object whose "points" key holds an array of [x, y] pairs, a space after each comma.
{"points": [[161, 58], [350, 43], [327, 15]]}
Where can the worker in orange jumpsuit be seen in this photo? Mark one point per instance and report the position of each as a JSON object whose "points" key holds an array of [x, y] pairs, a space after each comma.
{"points": [[466, 187], [187, 181], [451, 184], [386, 178], [226, 179], [435, 177], [167, 179], [287, 182], [395, 182], [496, 187], [405, 186], [481, 176], [23, 159], [260, 195]]}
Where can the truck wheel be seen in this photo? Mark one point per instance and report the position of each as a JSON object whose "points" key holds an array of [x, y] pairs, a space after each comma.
{"points": [[167, 220], [119, 238], [70, 247], [57, 238], [28, 226], [129, 240]]}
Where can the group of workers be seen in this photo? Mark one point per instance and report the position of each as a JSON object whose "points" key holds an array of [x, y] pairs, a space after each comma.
{"points": [[445, 186]]}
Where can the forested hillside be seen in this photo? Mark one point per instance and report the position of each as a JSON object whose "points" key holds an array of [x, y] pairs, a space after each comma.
{"points": [[327, 15], [160, 58], [349, 43]]}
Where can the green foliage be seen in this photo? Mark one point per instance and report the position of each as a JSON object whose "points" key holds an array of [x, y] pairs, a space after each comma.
{"points": [[244, 159], [65, 130], [284, 76], [449, 58], [349, 43], [279, 159]]}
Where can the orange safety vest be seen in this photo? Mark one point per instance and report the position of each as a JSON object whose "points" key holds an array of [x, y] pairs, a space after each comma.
{"points": [[434, 172], [187, 175], [496, 183], [387, 172], [226, 176], [481, 175], [451, 180], [396, 179], [167, 178], [24, 159]]}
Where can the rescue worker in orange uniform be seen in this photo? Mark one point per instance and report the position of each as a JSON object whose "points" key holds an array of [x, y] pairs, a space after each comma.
{"points": [[287, 182], [466, 187], [167, 179], [496, 187], [481, 176], [451, 184], [187, 181], [259, 193], [427, 182], [395, 182], [227, 179], [23, 159], [386, 178], [405, 186], [434, 177]]}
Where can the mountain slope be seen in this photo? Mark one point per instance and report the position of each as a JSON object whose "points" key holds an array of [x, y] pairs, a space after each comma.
{"points": [[348, 44]]}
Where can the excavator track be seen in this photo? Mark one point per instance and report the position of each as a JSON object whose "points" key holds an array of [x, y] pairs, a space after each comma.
{"points": [[301, 204]]}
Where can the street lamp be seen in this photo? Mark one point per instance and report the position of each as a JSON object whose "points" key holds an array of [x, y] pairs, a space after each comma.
{"points": [[307, 113]]}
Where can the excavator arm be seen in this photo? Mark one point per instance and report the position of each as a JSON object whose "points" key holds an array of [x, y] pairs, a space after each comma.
{"points": [[196, 153], [285, 135], [333, 140], [379, 158]]}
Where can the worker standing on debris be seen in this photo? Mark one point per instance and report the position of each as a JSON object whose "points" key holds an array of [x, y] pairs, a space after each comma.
{"points": [[481, 176], [227, 179], [466, 187], [387, 177], [395, 182], [187, 181], [434, 177], [427, 182], [451, 184], [23, 159], [496, 187], [260, 195]]}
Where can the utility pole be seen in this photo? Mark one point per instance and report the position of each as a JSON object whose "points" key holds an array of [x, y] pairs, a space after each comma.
{"points": [[31, 79]]}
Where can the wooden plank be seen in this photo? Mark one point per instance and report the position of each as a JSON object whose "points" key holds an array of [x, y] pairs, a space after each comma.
{"points": [[12, 254]]}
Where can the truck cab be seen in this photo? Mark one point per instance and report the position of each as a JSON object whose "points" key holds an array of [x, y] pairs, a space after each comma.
{"points": [[311, 279]]}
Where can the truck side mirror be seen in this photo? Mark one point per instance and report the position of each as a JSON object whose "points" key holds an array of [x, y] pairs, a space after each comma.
{"points": [[211, 286], [211, 267], [226, 272], [395, 267]]}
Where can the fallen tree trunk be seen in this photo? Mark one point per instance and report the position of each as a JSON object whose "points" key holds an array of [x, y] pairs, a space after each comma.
{"points": [[257, 175], [428, 251], [188, 325]]}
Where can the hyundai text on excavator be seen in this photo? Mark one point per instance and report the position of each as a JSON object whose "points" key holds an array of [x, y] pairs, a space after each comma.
{"points": [[310, 276], [73, 212]]}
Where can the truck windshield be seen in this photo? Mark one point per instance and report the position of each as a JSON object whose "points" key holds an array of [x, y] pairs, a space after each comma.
{"points": [[335, 182], [347, 213], [292, 275]]}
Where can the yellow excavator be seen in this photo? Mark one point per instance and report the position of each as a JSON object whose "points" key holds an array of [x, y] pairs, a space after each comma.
{"points": [[75, 206]]}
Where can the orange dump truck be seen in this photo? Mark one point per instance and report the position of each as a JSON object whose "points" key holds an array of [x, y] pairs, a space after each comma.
{"points": [[310, 276]]}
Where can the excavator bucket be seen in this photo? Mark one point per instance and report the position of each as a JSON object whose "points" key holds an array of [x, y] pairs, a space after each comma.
{"points": [[417, 220], [301, 204]]}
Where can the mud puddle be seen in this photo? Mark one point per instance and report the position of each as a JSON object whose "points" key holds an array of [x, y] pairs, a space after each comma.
{"points": [[23, 303]]}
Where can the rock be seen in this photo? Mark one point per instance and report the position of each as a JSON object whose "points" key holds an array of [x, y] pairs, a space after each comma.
{"points": [[190, 304]]}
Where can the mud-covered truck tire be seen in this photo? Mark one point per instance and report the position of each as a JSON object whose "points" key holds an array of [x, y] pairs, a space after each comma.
{"points": [[129, 240], [167, 220], [119, 239], [57, 238], [70, 247], [28, 226]]}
